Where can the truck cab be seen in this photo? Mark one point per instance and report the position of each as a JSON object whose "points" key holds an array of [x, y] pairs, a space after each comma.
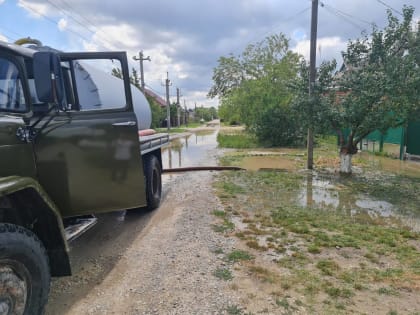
{"points": [[69, 147]]}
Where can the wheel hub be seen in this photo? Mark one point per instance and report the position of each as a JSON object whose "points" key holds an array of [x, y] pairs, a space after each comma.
{"points": [[12, 292]]}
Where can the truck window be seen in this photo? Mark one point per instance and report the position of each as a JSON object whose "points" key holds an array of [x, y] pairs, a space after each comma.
{"points": [[96, 87], [11, 92]]}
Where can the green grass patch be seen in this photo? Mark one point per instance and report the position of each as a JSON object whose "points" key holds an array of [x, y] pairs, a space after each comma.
{"points": [[236, 141], [223, 274], [219, 213], [225, 226], [238, 255], [328, 267]]}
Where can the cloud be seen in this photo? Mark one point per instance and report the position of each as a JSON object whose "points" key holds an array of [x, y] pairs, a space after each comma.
{"points": [[62, 24], [186, 37], [35, 9], [327, 48], [2, 1], [3, 38]]}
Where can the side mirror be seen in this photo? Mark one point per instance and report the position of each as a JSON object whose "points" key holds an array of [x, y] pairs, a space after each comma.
{"points": [[48, 77]]}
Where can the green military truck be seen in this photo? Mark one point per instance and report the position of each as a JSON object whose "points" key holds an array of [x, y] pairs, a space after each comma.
{"points": [[69, 148]]}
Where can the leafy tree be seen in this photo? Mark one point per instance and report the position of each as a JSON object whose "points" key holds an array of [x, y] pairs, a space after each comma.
{"points": [[205, 113], [377, 88], [253, 85]]}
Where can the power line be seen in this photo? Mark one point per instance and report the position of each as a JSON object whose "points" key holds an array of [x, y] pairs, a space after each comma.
{"points": [[70, 15], [52, 20], [341, 16], [96, 30], [389, 7], [347, 14], [274, 28]]}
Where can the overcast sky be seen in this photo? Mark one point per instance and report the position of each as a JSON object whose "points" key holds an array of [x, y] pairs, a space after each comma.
{"points": [[186, 37]]}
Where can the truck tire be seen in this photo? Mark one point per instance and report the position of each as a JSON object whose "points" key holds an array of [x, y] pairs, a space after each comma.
{"points": [[24, 272], [153, 174]]}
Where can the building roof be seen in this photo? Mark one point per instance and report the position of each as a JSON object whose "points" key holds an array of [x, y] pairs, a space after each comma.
{"points": [[156, 97]]}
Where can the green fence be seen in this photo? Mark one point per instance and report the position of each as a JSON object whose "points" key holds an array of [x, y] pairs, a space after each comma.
{"points": [[413, 138], [394, 140]]}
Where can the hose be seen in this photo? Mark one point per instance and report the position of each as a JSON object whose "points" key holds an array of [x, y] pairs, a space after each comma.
{"points": [[202, 168]]}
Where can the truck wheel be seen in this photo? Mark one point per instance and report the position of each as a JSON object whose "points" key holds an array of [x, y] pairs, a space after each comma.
{"points": [[24, 272], [153, 173]]}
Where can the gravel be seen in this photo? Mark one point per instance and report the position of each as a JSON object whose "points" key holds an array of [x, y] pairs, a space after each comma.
{"points": [[168, 268]]}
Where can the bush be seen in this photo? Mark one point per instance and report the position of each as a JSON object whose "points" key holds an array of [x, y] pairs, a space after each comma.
{"points": [[278, 126]]}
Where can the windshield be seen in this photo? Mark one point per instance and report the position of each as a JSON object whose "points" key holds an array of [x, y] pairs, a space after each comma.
{"points": [[11, 92]]}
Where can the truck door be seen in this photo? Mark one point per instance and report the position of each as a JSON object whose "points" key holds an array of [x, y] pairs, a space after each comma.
{"points": [[89, 157]]}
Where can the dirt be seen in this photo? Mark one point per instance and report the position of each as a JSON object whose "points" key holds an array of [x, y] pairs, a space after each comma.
{"points": [[164, 262], [166, 269]]}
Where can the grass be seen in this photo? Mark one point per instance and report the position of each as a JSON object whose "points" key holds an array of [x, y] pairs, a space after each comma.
{"points": [[219, 213], [238, 255], [316, 245], [223, 227], [236, 141], [223, 274]]}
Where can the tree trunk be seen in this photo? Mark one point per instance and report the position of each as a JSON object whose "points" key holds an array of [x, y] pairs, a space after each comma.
{"points": [[345, 162]]}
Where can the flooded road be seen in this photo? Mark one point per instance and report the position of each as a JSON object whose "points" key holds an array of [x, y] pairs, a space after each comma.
{"points": [[194, 149]]}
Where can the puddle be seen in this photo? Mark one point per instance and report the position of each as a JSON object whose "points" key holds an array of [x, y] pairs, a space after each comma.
{"points": [[323, 192], [196, 149], [191, 150], [407, 168]]}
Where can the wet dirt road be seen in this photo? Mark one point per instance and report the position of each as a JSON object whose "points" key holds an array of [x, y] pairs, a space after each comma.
{"points": [[97, 252]]}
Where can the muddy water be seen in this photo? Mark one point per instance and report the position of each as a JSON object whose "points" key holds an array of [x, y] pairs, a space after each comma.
{"points": [[328, 191], [191, 150], [321, 191]]}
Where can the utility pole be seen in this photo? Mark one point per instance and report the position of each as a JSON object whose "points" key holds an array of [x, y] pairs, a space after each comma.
{"points": [[185, 114], [178, 106], [140, 58], [312, 73], [168, 104]]}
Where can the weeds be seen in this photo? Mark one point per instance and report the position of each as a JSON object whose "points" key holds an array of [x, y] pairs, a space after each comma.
{"points": [[223, 274], [238, 255], [314, 230], [236, 141]]}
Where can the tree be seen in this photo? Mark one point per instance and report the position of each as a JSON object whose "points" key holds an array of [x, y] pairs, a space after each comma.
{"points": [[376, 89], [254, 85]]}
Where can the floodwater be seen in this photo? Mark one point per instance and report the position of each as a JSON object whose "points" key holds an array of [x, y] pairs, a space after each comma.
{"points": [[196, 149], [317, 190], [326, 190], [321, 191]]}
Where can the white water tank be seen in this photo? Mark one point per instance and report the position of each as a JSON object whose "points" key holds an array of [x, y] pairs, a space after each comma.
{"points": [[99, 90]]}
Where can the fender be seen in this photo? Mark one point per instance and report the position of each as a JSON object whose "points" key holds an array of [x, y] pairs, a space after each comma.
{"points": [[34, 209]]}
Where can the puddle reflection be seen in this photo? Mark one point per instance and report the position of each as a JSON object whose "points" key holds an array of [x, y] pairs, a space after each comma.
{"points": [[190, 150], [323, 192]]}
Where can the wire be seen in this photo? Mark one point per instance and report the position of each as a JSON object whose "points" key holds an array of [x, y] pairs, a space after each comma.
{"points": [[8, 30], [51, 20], [94, 29], [271, 30], [72, 17], [389, 7], [347, 14], [342, 15]]}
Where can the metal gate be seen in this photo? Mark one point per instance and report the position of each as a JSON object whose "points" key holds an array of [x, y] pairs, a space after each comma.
{"points": [[413, 138]]}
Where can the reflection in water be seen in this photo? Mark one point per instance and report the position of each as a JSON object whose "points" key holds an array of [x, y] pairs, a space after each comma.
{"points": [[183, 153], [320, 191]]}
